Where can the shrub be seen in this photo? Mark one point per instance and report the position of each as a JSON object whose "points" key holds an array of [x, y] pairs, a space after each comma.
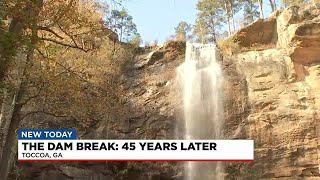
{"points": [[228, 46], [173, 49], [136, 41], [154, 44], [146, 44]]}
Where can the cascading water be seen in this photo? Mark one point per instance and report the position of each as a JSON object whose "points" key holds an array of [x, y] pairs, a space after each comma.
{"points": [[200, 77]]}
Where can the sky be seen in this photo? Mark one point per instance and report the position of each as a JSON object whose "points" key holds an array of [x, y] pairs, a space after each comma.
{"points": [[156, 19]]}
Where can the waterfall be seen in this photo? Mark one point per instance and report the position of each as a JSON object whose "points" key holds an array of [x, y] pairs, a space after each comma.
{"points": [[200, 77]]}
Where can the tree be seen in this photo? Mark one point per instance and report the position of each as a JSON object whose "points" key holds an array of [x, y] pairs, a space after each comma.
{"points": [[122, 23], [250, 12], [233, 6], [273, 5], [182, 31], [29, 18], [201, 31], [260, 2], [210, 18], [10, 40], [35, 26], [230, 7]]}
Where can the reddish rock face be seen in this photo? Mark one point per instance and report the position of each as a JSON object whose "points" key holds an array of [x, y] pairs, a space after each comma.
{"points": [[260, 31], [306, 55], [295, 28]]}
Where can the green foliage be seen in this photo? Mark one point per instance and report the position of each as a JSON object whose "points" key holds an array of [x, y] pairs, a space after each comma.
{"points": [[122, 23], [201, 31], [214, 14], [210, 19], [250, 11], [182, 31]]}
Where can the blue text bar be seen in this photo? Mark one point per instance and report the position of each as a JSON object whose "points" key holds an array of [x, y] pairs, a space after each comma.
{"points": [[43, 134]]}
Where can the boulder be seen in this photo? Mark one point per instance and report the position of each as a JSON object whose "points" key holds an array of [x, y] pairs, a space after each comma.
{"points": [[288, 16], [154, 56], [305, 34], [148, 59], [286, 36], [258, 32], [296, 29], [299, 31], [295, 15]]}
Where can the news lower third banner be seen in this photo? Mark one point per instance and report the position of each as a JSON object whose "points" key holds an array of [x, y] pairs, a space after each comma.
{"points": [[63, 145]]}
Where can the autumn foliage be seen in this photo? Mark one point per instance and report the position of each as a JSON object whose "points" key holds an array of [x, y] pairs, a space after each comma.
{"points": [[62, 70]]}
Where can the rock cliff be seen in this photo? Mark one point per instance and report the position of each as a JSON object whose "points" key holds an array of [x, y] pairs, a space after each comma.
{"points": [[281, 98], [282, 116]]}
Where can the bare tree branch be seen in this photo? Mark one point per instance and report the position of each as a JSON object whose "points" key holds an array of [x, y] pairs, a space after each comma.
{"points": [[87, 32], [75, 73], [64, 44], [67, 69], [65, 32], [33, 96], [49, 30]]}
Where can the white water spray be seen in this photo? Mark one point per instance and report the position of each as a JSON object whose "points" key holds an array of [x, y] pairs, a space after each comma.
{"points": [[201, 79]]}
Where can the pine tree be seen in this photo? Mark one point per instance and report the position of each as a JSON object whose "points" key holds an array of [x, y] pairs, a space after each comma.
{"points": [[210, 19], [182, 31], [122, 23], [250, 12], [201, 31]]}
